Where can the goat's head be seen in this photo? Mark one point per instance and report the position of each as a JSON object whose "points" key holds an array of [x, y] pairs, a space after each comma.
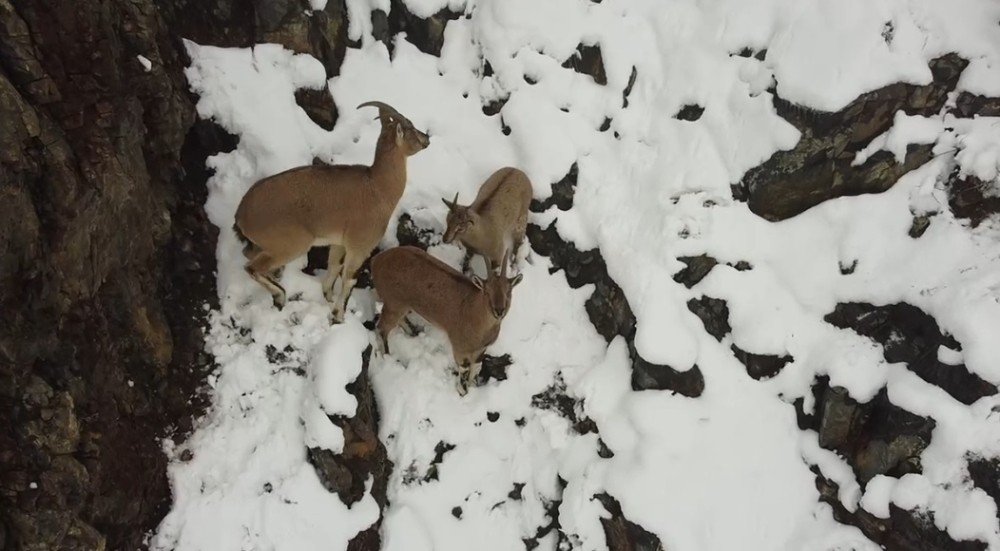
{"points": [[497, 288], [460, 219], [399, 128]]}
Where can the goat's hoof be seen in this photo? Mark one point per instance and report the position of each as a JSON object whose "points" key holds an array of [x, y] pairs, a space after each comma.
{"points": [[279, 302], [337, 316]]}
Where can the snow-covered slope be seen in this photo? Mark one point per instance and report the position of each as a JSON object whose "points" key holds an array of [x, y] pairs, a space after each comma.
{"points": [[729, 469]]}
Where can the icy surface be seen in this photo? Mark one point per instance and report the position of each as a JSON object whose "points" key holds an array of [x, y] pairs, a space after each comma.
{"points": [[726, 470]]}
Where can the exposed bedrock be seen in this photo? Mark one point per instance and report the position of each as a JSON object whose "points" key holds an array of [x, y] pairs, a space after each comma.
{"points": [[106, 260], [819, 167], [909, 335], [607, 307]]}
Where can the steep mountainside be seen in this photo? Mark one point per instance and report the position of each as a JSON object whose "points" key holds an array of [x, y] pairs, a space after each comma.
{"points": [[108, 278]]}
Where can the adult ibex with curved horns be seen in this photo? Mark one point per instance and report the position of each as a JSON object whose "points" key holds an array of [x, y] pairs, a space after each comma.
{"points": [[347, 207]]}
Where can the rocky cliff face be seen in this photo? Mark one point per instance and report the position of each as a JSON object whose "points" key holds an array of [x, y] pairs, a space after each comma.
{"points": [[106, 259]]}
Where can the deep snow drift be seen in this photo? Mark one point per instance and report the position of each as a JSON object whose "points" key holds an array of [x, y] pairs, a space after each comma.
{"points": [[727, 470]]}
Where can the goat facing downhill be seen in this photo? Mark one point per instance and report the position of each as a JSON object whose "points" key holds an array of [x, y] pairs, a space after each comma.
{"points": [[494, 224], [468, 310], [347, 207]]}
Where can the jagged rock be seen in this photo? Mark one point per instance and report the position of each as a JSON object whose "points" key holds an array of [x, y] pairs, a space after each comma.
{"points": [[408, 233], [761, 366], [649, 376], [690, 112], [554, 398], [318, 104], [106, 260], [970, 105], [628, 87], [588, 60], [243, 23], [426, 34], [607, 307], [494, 367], [985, 474], [714, 313], [819, 167], [696, 270], [919, 226], [903, 530], [840, 417], [972, 198], [909, 335], [622, 534], [365, 455], [494, 107], [876, 437], [563, 193], [848, 269], [56, 429]]}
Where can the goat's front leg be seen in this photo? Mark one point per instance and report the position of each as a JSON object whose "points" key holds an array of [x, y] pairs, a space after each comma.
{"points": [[352, 263], [467, 262], [469, 365], [462, 384]]}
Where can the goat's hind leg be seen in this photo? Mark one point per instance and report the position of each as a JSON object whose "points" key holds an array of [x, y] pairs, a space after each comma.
{"points": [[387, 321], [260, 268]]}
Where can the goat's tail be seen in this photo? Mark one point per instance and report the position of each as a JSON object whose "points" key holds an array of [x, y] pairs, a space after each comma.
{"points": [[249, 249], [239, 234]]}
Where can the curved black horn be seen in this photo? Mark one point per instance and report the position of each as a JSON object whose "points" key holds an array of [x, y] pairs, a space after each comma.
{"points": [[384, 109], [503, 265]]}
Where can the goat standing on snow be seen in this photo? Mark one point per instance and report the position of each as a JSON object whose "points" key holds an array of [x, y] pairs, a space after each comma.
{"points": [[407, 279], [344, 206], [494, 224]]}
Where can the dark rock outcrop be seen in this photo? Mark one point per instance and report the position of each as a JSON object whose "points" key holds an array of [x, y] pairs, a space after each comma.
{"points": [[909, 335], [819, 167], [970, 105], [876, 437], [714, 313], [107, 262], [903, 530], [972, 199], [364, 456], [761, 366], [985, 475], [426, 34], [563, 193], [607, 307], [690, 112], [696, 270], [622, 534], [587, 60]]}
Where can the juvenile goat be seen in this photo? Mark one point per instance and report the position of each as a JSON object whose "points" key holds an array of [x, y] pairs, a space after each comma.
{"points": [[494, 224], [407, 279], [344, 206]]}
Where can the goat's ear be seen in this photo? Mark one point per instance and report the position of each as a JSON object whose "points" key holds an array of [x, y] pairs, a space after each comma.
{"points": [[515, 280], [399, 134], [478, 282], [447, 204]]}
